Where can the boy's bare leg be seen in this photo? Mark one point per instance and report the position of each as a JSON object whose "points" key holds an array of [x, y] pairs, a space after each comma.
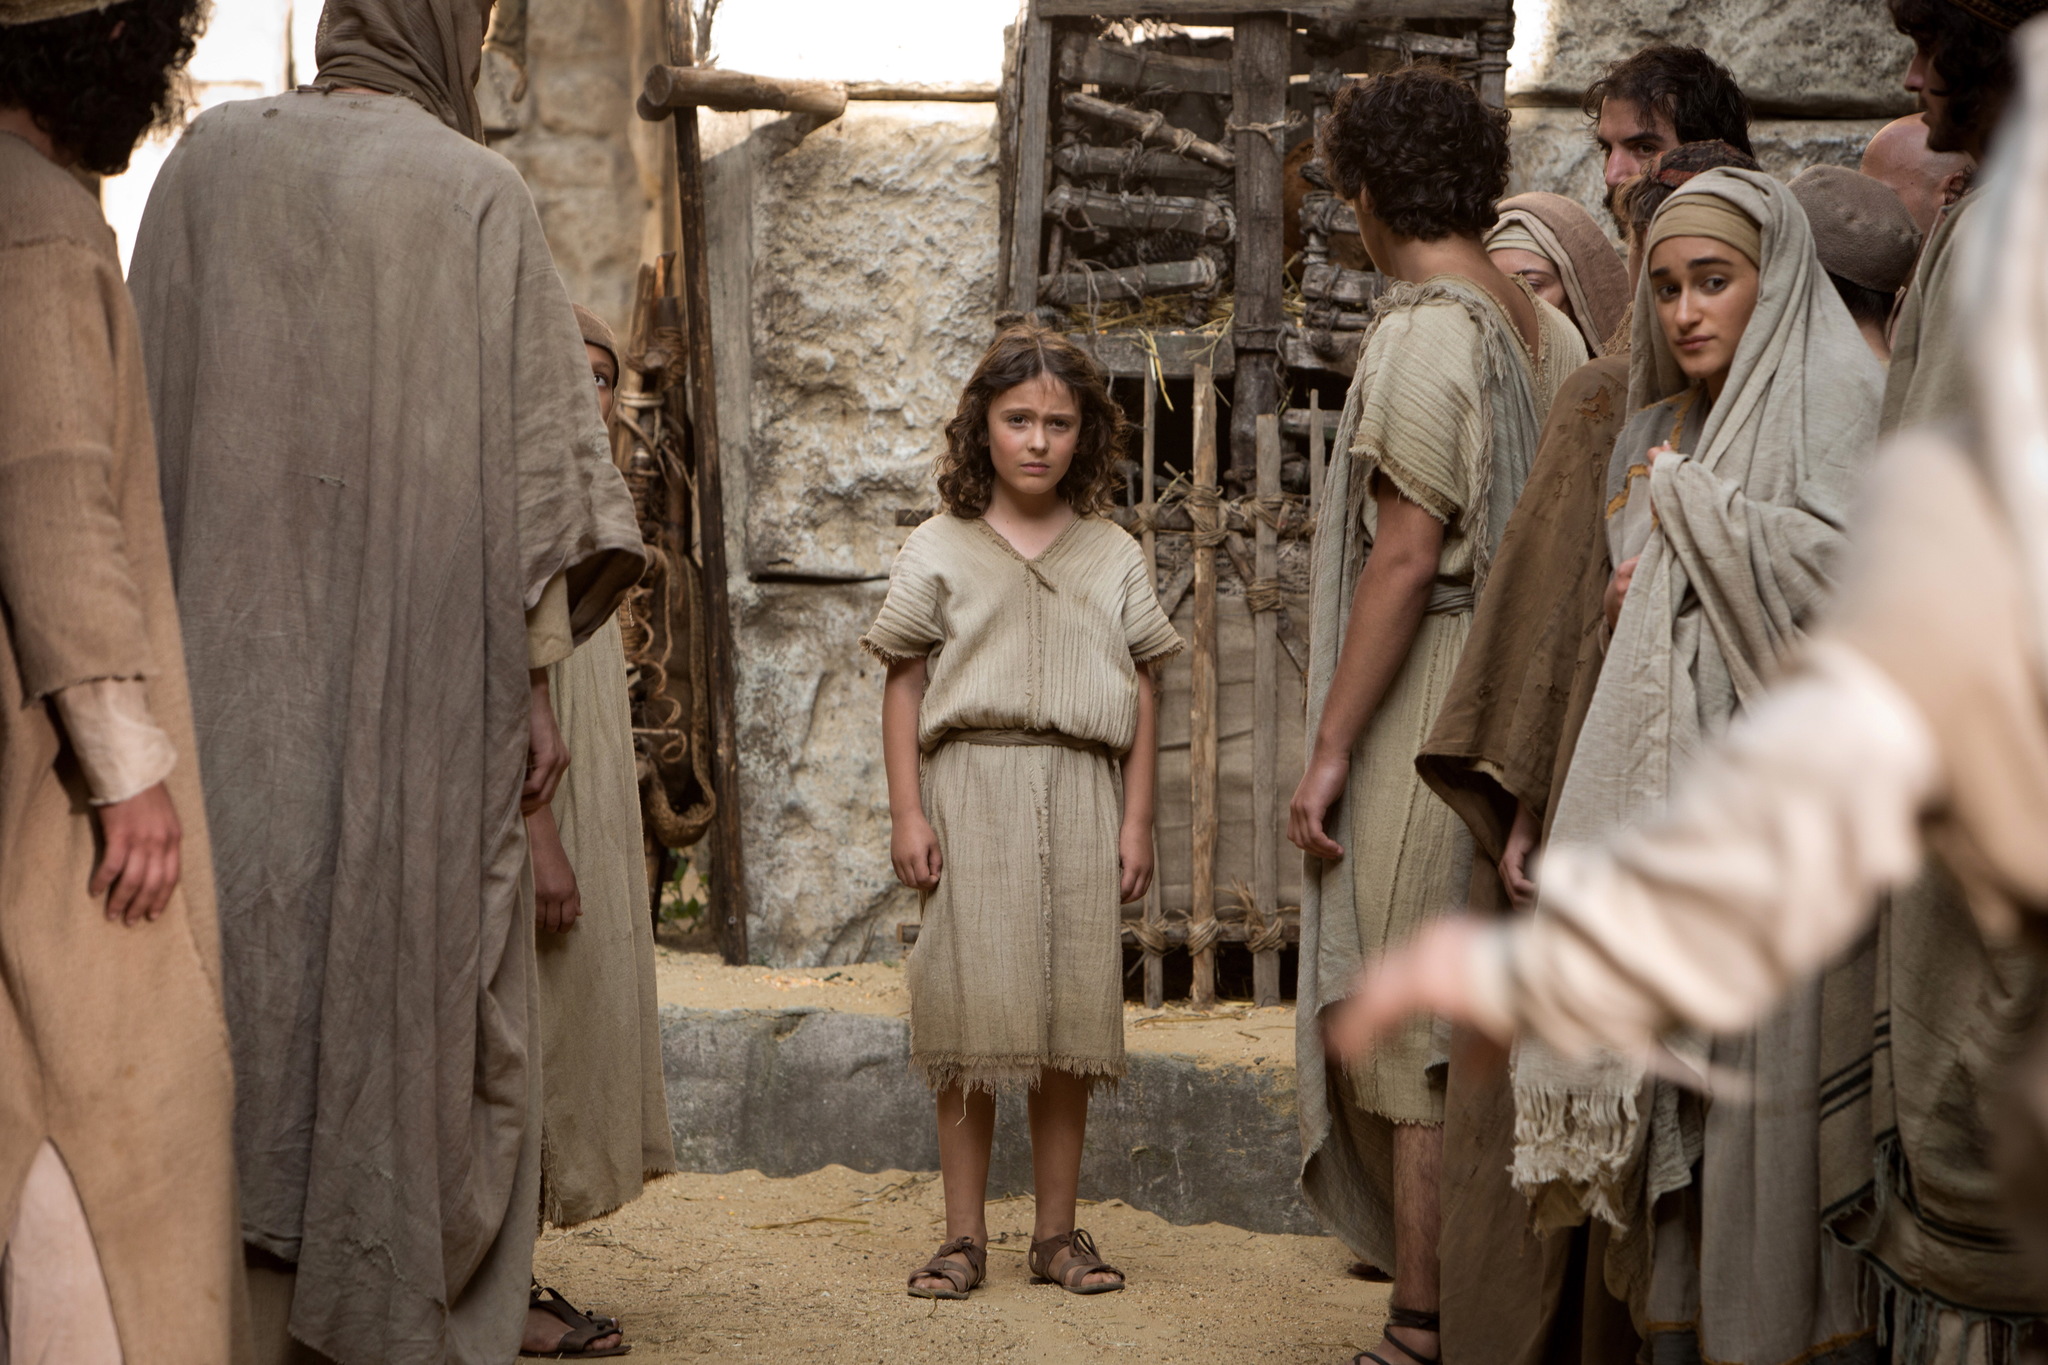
{"points": [[1059, 1124], [967, 1126], [1418, 1220], [55, 1295]]}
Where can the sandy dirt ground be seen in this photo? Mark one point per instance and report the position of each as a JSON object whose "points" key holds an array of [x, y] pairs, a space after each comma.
{"points": [[1233, 1034], [743, 1268]]}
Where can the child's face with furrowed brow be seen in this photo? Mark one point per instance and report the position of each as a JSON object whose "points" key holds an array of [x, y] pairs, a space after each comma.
{"points": [[1032, 430]]}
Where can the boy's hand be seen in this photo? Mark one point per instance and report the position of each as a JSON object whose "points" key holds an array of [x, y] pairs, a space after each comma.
{"points": [[547, 756], [914, 852], [1134, 857], [1322, 782]]}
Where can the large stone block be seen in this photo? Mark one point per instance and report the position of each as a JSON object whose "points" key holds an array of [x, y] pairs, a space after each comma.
{"points": [[1820, 57], [790, 1090], [1554, 150], [874, 275], [814, 796]]}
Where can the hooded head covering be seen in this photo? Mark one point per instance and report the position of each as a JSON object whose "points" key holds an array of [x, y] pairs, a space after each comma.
{"points": [[1860, 227], [429, 51], [13, 12], [1563, 233], [597, 332], [2011, 342]]}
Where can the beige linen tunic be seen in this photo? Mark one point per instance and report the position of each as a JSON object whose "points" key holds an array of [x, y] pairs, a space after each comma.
{"points": [[112, 1042], [1018, 966], [604, 1124], [1425, 428]]}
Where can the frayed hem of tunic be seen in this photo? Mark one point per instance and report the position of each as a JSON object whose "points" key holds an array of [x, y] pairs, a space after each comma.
{"points": [[888, 656], [1161, 655], [998, 1075]]}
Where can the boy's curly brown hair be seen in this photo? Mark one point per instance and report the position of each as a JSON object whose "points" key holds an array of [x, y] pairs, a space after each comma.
{"points": [[1420, 142], [1021, 352]]}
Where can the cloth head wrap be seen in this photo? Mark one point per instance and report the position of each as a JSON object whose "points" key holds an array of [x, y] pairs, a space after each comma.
{"points": [[1563, 233], [2005, 14], [429, 51], [2010, 342], [1707, 215], [597, 332], [14, 12], [1860, 227]]}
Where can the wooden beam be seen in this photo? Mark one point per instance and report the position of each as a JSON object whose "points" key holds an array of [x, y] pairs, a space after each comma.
{"points": [[1128, 354], [1078, 288], [728, 861], [1141, 211], [952, 92], [1131, 66], [1034, 94], [1266, 711], [1155, 966], [1258, 112], [1142, 165], [1152, 126], [733, 92], [1202, 826]]}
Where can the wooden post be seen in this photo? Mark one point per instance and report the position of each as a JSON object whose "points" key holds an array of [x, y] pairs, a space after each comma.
{"points": [[1033, 132], [1207, 516], [1155, 914], [1490, 67], [1260, 60], [1266, 713], [1315, 454], [728, 865]]}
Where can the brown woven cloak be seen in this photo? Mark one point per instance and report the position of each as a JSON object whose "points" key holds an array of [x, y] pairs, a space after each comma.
{"points": [[378, 447], [112, 1044]]}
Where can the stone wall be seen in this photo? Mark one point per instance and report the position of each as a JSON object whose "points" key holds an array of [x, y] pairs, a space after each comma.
{"points": [[854, 276]]}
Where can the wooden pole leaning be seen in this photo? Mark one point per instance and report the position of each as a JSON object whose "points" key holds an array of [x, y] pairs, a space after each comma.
{"points": [[1262, 595], [1205, 508], [1155, 914], [728, 862]]}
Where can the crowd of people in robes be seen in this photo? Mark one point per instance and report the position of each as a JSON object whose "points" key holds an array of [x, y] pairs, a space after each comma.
{"points": [[1680, 612]]}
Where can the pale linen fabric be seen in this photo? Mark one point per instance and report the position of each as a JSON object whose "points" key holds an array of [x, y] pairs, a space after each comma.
{"points": [[54, 1308], [1929, 377], [113, 1047], [605, 1114], [120, 747], [379, 447], [1019, 964], [1447, 404], [1748, 523]]}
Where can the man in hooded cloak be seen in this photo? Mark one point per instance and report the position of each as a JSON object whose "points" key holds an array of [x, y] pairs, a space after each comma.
{"points": [[391, 506]]}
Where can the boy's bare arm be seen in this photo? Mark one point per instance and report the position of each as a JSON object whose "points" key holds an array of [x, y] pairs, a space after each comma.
{"points": [[1141, 769], [913, 845]]}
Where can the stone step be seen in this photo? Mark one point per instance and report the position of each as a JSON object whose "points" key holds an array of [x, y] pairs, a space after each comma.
{"points": [[1202, 1128]]}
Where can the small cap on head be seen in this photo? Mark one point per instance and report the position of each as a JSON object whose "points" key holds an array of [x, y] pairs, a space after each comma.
{"points": [[1860, 228], [596, 331], [15, 12]]}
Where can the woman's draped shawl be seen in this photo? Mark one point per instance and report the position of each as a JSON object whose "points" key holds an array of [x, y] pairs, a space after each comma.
{"points": [[1347, 1155], [1748, 525], [1595, 280], [378, 446], [429, 51]]}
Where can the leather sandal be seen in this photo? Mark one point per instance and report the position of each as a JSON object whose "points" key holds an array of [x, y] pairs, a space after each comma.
{"points": [[1414, 1318], [962, 1278], [1082, 1262], [583, 1329]]}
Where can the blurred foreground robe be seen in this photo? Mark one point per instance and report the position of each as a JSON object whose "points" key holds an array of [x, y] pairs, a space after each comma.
{"points": [[379, 448], [112, 1046]]}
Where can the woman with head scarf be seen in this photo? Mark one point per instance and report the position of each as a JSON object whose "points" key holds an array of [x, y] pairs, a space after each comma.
{"points": [[1559, 251]]}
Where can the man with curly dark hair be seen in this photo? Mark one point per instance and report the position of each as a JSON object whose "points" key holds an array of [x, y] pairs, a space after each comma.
{"points": [[1439, 429], [391, 506], [1661, 98], [117, 1228]]}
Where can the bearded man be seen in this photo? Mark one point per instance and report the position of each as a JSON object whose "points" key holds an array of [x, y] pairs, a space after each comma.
{"points": [[117, 1200], [1662, 97], [390, 506]]}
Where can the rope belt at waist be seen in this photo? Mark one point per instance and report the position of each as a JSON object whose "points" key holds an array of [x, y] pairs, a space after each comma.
{"points": [[1020, 739], [1447, 599]]}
